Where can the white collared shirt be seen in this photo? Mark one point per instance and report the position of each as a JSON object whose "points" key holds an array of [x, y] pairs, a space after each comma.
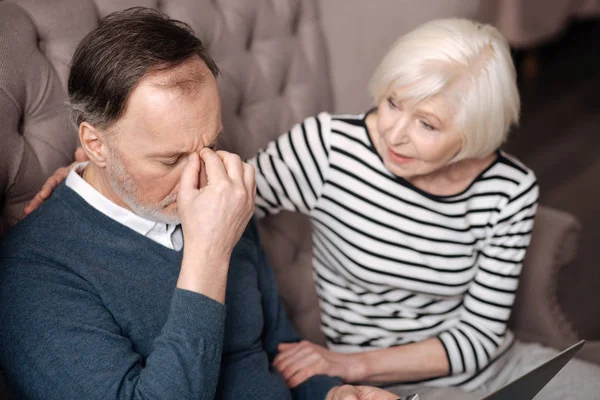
{"points": [[167, 235]]}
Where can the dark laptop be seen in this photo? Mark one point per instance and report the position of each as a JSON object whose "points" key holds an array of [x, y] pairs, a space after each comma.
{"points": [[528, 385]]}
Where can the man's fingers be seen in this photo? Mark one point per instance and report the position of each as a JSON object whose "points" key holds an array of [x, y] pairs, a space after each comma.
{"points": [[213, 165], [374, 393], [249, 179], [189, 175], [345, 392], [233, 165], [203, 179]]}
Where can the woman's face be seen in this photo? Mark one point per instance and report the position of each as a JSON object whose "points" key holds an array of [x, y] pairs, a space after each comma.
{"points": [[416, 141]]}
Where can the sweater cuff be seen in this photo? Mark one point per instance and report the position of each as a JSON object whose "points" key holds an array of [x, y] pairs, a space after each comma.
{"points": [[316, 387], [194, 314], [452, 353]]}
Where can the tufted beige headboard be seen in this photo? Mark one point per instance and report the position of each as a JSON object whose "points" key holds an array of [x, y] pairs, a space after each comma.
{"points": [[274, 73]]}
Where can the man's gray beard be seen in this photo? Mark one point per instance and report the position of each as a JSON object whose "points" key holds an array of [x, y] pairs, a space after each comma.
{"points": [[126, 188]]}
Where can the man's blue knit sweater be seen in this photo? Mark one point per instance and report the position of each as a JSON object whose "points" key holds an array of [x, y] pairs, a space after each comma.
{"points": [[89, 309]]}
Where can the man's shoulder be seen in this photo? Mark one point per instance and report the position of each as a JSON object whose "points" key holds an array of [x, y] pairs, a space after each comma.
{"points": [[45, 229]]}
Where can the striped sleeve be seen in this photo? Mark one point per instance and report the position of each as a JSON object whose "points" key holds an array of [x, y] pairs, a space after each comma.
{"points": [[290, 171], [472, 342]]}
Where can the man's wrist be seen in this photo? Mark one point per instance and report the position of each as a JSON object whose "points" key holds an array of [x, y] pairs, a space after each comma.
{"points": [[207, 245], [206, 254], [204, 273]]}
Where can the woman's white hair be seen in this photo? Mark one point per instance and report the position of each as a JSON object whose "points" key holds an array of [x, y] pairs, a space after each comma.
{"points": [[470, 64]]}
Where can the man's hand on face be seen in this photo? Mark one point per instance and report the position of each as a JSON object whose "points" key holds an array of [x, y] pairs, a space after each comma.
{"points": [[213, 218], [348, 392]]}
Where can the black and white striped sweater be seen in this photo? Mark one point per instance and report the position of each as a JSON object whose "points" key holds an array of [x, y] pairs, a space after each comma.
{"points": [[396, 265]]}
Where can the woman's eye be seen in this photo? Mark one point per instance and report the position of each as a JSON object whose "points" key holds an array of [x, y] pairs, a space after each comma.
{"points": [[392, 103], [428, 126]]}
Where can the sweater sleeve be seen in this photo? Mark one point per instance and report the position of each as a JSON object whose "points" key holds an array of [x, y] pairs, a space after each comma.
{"points": [[472, 342], [59, 341], [279, 329], [291, 171]]}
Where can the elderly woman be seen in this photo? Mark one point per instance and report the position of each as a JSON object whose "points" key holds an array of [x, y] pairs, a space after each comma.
{"points": [[420, 222]]}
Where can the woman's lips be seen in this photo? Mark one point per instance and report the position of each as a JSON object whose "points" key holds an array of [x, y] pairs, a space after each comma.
{"points": [[398, 158]]}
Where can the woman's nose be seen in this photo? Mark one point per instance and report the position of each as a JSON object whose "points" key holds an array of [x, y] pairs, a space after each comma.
{"points": [[398, 132]]}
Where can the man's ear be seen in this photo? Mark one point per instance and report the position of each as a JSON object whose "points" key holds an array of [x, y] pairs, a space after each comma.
{"points": [[93, 143]]}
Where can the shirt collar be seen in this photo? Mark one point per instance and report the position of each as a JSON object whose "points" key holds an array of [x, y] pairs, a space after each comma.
{"points": [[122, 215]]}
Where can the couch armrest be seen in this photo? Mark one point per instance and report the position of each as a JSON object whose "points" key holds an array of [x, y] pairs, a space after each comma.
{"points": [[537, 316]]}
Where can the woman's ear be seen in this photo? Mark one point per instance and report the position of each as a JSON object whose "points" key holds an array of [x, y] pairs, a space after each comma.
{"points": [[93, 144]]}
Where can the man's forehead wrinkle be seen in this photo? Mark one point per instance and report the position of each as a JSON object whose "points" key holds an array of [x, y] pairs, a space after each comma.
{"points": [[186, 144]]}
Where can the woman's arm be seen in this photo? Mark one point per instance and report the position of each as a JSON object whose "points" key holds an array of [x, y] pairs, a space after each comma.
{"points": [[482, 325], [422, 360], [470, 344], [412, 362], [291, 170]]}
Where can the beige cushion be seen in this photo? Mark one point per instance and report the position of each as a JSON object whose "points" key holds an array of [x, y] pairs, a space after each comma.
{"points": [[536, 315]]}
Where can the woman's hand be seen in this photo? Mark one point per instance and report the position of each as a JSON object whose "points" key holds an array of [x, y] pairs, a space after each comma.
{"points": [[299, 361], [52, 182]]}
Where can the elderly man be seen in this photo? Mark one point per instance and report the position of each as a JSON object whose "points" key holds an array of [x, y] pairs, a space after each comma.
{"points": [[99, 296]]}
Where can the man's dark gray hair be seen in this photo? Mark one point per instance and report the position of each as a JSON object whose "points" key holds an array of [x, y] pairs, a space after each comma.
{"points": [[112, 59]]}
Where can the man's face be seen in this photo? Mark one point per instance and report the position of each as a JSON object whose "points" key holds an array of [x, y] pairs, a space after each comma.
{"points": [[162, 124]]}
